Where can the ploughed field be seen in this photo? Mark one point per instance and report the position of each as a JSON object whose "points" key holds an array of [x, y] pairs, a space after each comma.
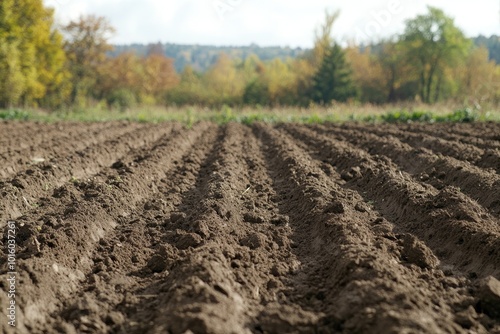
{"points": [[157, 228]]}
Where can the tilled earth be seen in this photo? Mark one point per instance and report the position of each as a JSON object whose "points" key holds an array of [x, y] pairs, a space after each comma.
{"points": [[156, 228]]}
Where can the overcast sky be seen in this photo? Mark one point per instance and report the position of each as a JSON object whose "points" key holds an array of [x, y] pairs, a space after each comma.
{"points": [[269, 22]]}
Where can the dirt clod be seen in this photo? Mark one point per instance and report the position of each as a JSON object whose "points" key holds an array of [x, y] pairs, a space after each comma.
{"points": [[489, 294], [157, 263], [254, 218], [416, 252]]}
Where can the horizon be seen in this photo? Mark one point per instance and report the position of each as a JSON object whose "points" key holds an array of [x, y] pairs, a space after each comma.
{"points": [[260, 46], [239, 23]]}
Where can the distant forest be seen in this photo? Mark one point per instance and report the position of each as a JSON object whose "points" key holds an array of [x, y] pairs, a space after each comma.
{"points": [[202, 57]]}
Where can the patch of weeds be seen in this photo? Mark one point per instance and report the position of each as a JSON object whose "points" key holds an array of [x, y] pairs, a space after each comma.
{"points": [[14, 114], [465, 115], [250, 119], [403, 116], [313, 119], [190, 118], [74, 180], [227, 114]]}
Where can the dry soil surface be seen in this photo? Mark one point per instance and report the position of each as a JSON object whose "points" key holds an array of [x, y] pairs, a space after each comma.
{"points": [[156, 228]]}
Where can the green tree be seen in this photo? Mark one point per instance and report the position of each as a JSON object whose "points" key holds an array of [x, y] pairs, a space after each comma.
{"points": [[333, 81], [327, 76], [433, 43], [256, 93], [401, 81], [190, 90]]}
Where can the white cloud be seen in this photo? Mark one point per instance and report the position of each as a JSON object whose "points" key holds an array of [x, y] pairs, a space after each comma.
{"points": [[266, 22]]}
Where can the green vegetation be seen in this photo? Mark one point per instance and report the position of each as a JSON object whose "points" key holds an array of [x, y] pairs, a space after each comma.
{"points": [[248, 115], [16, 114], [465, 115]]}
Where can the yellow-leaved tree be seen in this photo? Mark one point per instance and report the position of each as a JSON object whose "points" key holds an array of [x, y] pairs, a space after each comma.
{"points": [[32, 58]]}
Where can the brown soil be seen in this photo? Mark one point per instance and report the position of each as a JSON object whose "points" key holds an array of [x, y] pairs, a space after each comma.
{"points": [[142, 228]]}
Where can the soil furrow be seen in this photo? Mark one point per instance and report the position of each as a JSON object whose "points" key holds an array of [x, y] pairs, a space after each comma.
{"points": [[17, 160], [487, 131], [213, 241], [350, 256], [459, 231], [21, 194], [22, 135], [438, 170], [443, 133], [122, 260], [86, 212], [482, 158]]}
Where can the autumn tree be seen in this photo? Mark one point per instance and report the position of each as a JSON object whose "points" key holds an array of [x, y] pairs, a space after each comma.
{"points": [[479, 79], [304, 71], [323, 39], [190, 90], [159, 75], [31, 54], [119, 80], [12, 81], [368, 74], [281, 81], [86, 47], [433, 43], [222, 80]]}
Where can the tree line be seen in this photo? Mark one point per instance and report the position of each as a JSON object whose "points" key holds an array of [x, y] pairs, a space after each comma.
{"points": [[42, 65], [202, 57]]}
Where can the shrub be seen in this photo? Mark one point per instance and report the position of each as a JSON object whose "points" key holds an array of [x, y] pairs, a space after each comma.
{"points": [[121, 99]]}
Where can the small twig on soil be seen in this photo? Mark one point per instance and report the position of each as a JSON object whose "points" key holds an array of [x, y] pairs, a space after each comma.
{"points": [[247, 189]]}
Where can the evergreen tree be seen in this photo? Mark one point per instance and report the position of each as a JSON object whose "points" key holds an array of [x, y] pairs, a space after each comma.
{"points": [[333, 81]]}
